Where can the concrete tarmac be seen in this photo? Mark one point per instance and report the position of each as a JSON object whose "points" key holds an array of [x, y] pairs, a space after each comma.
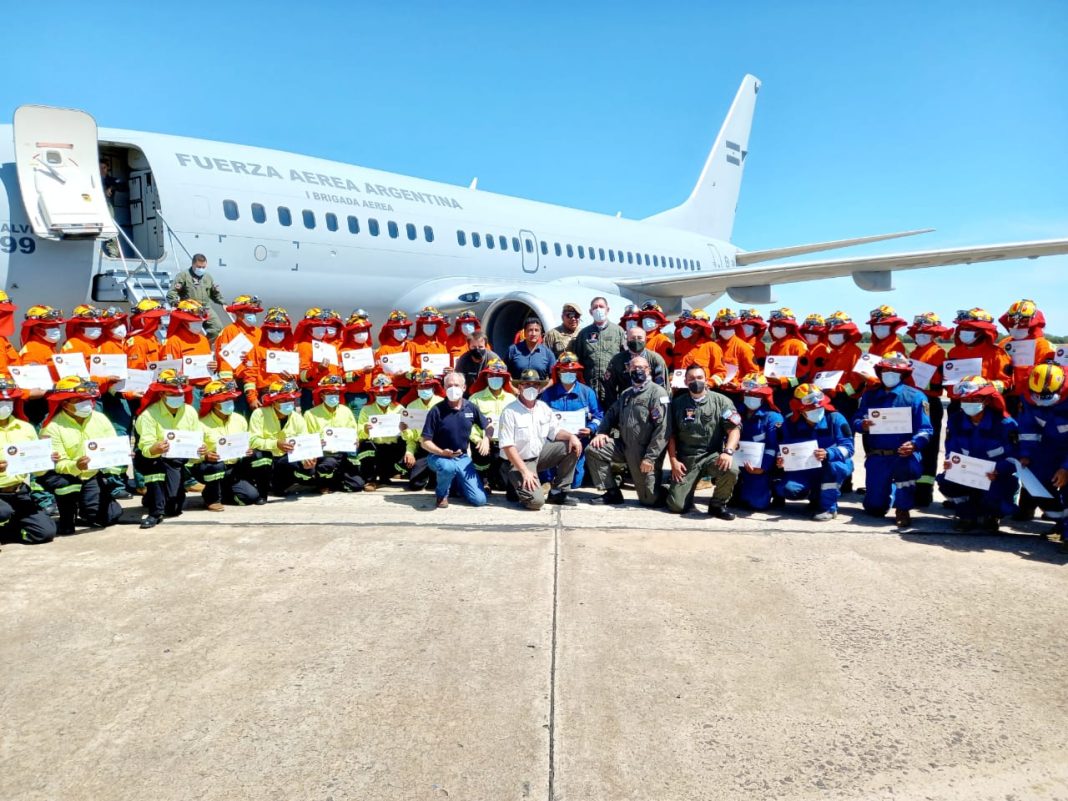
{"points": [[370, 647]]}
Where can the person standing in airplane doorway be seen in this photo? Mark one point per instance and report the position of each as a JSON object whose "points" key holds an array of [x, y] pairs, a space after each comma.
{"points": [[196, 284]]}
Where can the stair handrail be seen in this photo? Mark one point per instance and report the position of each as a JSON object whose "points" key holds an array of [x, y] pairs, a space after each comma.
{"points": [[142, 266]]}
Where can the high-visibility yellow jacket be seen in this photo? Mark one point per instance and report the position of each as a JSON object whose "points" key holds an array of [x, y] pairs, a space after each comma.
{"points": [[321, 417], [372, 410], [154, 422], [491, 407], [215, 427], [11, 432], [264, 428], [411, 436], [69, 435]]}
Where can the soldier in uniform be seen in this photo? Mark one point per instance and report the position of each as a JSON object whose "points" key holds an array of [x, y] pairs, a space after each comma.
{"points": [[703, 431], [596, 344], [196, 284], [640, 416], [616, 376]]}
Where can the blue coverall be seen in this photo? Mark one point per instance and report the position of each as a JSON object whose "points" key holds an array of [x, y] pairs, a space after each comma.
{"points": [[580, 396], [993, 438], [821, 485], [763, 426], [1044, 441]]}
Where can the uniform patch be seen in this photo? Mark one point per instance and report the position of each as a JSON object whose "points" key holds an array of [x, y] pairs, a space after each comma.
{"points": [[691, 414], [656, 413], [592, 337], [732, 417]]}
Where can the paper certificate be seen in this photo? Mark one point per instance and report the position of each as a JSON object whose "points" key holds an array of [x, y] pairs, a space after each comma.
{"points": [[355, 361], [732, 372], [305, 446], [491, 426], [68, 364], [828, 379], [232, 446], [34, 456], [678, 379], [414, 419], [1029, 481], [751, 453], [1022, 352], [892, 420], [954, 370], [31, 376], [780, 366], [108, 452], [865, 365], [437, 363], [109, 365], [571, 421], [922, 373], [799, 455], [165, 364], [324, 352], [196, 366], [282, 361], [396, 363], [969, 472], [183, 444], [339, 440], [385, 425], [1061, 356], [136, 382], [233, 352]]}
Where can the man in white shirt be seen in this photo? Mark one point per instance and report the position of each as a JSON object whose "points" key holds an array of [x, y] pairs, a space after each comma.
{"points": [[532, 441]]}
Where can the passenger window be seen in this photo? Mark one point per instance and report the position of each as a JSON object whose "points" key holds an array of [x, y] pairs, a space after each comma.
{"points": [[410, 230], [529, 246], [619, 256], [372, 226], [428, 233], [630, 257], [544, 248], [656, 262], [461, 238], [504, 242], [698, 264], [515, 243], [600, 253], [331, 221], [309, 218], [556, 248], [259, 214], [476, 240], [570, 252], [229, 209], [284, 217], [582, 252], [354, 225], [394, 231], [611, 255], [489, 242], [671, 262]]}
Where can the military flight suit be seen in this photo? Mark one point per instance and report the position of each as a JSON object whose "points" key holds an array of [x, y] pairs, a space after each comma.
{"points": [[640, 415], [617, 376], [187, 286], [700, 430], [595, 348]]}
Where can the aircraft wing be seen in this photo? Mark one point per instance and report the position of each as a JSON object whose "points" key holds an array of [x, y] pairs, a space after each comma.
{"points": [[869, 272]]}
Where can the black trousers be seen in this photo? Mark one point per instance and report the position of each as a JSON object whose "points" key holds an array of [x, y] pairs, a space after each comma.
{"points": [[274, 475], [21, 519], [91, 499], [164, 485], [380, 462], [930, 455], [420, 476], [337, 471], [492, 468], [231, 484]]}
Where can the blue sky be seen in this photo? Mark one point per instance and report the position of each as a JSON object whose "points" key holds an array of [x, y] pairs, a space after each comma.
{"points": [[873, 117]]}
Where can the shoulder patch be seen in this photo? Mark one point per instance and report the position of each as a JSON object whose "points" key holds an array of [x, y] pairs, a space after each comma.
{"points": [[731, 416], [665, 400], [656, 413]]}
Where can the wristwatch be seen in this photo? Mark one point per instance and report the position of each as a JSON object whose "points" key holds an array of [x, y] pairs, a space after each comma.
{"points": [[728, 451]]}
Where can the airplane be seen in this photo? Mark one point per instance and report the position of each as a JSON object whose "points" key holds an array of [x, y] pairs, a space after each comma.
{"points": [[301, 231]]}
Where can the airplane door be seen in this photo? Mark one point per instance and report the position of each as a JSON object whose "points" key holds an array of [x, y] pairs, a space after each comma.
{"points": [[528, 249]]}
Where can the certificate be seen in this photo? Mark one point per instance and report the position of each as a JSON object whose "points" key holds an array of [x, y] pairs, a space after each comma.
{"points": [[678, 379], [305, 446], [1061, 356], [491, 426], [68, 364], [232, 446], [108, 452], [355, 361], [34, 456], [31, 376], [799, 455], [922, 373], [339, 440], [780, 366], [1029, 481], [183, 444], [828, 379], [385, 425], [1022, 352], [865, 365], [282, 361], [751, 453], [395, 363], [732, 372], [136, 382], [437, 363], [571, 421], [414, 418], [196, 366], [233, 352], [954, 370], [969, 471], [109, 364], [324, 352], [890, 420], [165, 364]]}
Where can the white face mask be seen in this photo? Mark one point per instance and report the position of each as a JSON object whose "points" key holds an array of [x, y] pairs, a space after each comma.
{"points": [[382, 400], [52, 334], [836, 339], [778, 331], [196, 328], [924, 339], [891, 380], [400, 334], [726, 334], [318, 331], [225, 408], [971, 409], [199, 271], [119, 332], [332, 400], [748, 330], [880, 331], [285, 408], [495, 382], [632, 324], [430, 330], [1052, 400], [467, 329], [567, 379], [454, 393], [686, 332], [275, 336], [425, 394], [649, 325], [752, 403], [600, 314], [361, 337], [250, 319], [816, 415], [92, 333], [1019, 333], [7, 408], [530, 393], [174, 401], [968, 337], [83, 408], [812, 339]]}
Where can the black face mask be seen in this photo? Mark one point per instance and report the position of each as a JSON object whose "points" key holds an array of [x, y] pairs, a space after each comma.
{"points": [[478, 353], [634, 346], [696, 387], [638, 376]]}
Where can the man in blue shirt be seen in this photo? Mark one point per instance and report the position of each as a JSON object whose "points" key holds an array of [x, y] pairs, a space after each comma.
{"points": [[531, 353], [569, 393], [446, 434]]}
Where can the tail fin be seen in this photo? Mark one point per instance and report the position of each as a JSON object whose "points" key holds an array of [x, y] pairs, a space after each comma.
{"points": [[711, 205]]}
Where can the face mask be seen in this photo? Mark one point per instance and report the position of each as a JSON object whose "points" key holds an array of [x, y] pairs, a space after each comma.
{"points": [[285, 408], [696, 387], [686, 332], [52, 334], [530, 393], [225, 407], [196, 328], [318, 332], [638, 376], [815, 415], [250, 319], [880, 331], [778, 331], [119, 332], [430, 330], [400, 334], [495, 382], [467, 328], [276, 336], [92, 333], [726, 334], [891, 380], [360, 337], [332, 400], [1019, 333], [6, 409], [1050, 401], [968, 337], [752, 403], [635, 345], [454, 393], [599, 314], [199, 271], [924, 339], [567, 379], [83, 408], [812, 339], [478, 353], [174, 401], [631, 324], [382, 400], [425, 394], [649, 325], [836, 339], [748, 330], [972, 409]]}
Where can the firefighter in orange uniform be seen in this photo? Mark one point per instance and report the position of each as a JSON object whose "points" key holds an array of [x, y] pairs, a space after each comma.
{"points": [[276, 333], [752, 331], [814, 332], [738, 358], [842, 354], [357, 336], [926, 329], [8, 354], [884, 323], [245, 309], [465, 324], [975, 339], [148, 338], [186, 337], [692, 329], [318, 325], [1025, 345], [652, 320], [41, 335], [631, 317], [394, 342], [787, 341], [430, 335]]}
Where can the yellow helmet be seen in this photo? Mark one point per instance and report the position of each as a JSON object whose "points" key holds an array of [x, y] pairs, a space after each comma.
{"points": [[1046, 380], [4, 298], [808, 396], [147, 305], [44, 314], [76, 385], [190, 311], [86, 311]]}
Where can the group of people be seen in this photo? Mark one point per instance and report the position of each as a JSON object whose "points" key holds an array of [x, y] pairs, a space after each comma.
{"points": [[273, 408]]}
